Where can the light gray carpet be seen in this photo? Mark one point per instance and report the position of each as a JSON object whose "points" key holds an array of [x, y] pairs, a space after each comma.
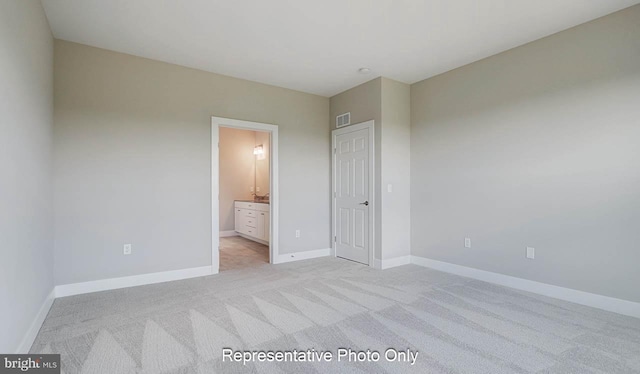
{"points": [[458, 325]]}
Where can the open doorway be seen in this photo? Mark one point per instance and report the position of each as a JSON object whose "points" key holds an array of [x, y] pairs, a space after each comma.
{"points": [[244, 194], [244, 198]]}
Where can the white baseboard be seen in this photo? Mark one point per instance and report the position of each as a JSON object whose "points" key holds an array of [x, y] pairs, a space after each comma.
{"points": [[30, 336], [224, 234], [391, 262], [297, 256], [130, 281], [611, 304]]}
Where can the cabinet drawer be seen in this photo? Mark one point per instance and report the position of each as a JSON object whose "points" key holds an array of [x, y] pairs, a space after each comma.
{"points": [[250, 222], [245, 205], [252, 206], [250, 213]]}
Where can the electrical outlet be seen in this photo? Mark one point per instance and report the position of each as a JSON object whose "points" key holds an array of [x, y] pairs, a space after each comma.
{"points": [[127, 249], [467, 242], [297, 233], [257, 189], [250, 188], [389, 188], [531, 253]]}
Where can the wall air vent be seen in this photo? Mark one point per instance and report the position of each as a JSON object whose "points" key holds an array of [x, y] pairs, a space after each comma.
{"points": [[343, 120]]}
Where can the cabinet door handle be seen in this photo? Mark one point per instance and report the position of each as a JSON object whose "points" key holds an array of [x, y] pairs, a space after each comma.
{"points": [[366, 203]]}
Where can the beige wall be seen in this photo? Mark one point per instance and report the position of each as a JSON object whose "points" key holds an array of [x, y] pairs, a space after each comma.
{"points": [[133, 162], [387, 103], [536, 146], [26, 122], [395, 164], [237, 171]]}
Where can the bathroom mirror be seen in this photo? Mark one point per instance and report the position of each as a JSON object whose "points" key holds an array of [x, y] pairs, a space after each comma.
{"points": [[261, 151]]}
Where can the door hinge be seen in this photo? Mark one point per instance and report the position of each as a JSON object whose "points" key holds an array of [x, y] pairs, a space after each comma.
{"points": [[335, 239], [335, 150]]}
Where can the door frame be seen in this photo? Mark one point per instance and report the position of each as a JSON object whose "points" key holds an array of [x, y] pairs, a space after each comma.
{"points": [[216, 123], [369, 125]]}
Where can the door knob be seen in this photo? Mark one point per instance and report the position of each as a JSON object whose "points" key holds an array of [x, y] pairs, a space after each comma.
{"points": [[366, 203]]}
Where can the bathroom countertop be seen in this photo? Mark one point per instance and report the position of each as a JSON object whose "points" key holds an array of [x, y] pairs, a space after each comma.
{"points": [[254, 201]]}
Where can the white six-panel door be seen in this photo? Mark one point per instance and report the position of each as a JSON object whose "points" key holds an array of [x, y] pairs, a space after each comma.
{"points": [[352, 193]]}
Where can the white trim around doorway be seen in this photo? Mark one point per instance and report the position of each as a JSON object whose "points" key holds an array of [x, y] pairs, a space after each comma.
{"points": [[216, 123], [370, 125]]}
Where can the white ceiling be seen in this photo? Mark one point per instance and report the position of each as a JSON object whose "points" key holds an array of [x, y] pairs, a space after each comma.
{"points": [[317, 46]]}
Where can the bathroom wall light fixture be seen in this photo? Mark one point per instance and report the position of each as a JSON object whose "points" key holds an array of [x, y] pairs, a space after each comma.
{"points": [[258, 150]]}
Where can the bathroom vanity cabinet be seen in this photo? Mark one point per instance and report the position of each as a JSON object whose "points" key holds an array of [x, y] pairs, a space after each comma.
{"points": [[252, 220]]}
